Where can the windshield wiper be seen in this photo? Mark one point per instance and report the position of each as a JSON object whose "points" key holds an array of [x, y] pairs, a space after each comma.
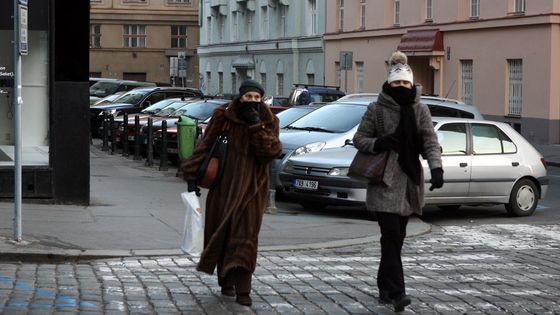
{"points": [[309, 129]]}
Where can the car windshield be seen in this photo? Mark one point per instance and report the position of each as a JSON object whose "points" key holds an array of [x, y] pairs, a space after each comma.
{"points": [[157, 107], [131, 97], [289, 115], [335, 118], [169, 110], [197, 110], [103, 88]]}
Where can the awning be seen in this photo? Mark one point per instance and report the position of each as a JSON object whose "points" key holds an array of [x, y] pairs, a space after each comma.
{"points": [[245, 62], [421, 41]]}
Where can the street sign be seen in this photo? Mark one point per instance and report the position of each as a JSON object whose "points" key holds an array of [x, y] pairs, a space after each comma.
{"points": [[173, 66], [23, 40]]}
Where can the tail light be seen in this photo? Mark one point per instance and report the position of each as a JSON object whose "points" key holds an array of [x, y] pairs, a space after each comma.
{"points": [[543, 161]]}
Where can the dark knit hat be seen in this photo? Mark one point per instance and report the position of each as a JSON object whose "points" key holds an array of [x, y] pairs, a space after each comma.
{"points": [[250, 85]]}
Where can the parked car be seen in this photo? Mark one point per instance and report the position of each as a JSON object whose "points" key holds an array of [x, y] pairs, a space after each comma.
{"points": [[104, 88], [135, 100], [108, 99], [304, 94], [319, 130], [484, 162], [292, 114], [198, 111]]}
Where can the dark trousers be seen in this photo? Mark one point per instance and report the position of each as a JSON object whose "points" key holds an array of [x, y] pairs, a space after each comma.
{"points": [[390, 277]]}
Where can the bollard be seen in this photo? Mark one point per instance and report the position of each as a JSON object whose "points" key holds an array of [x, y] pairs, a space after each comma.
{"points": [[271, 207], [150, 148], [137, 139], [124, 138], [105, 146], [113, 133], [163, 153]]}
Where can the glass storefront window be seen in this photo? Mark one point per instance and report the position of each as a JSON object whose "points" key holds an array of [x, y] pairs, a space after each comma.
{"points": [[35, 87]]}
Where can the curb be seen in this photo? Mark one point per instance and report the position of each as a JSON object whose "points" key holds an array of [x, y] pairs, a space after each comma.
{"points": [[76, 255]]}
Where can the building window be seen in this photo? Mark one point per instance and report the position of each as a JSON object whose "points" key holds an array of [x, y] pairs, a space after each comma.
{"points": [[362, 14], [250, 16], [134, 35], [283, 22], [475, 8], [466, 81], [263, 79], [208, 81], [359, 77], [312, 17], [234, 26], [280, 84], [264, 22], [209, 30], [515, 86], [234, 82], [178, 36], [337, 75], [179, 1], [397, 12], [220, 82], [311, 78], [341, 15], [429, 10], [519, 6], [221, 28], [95, 36]]}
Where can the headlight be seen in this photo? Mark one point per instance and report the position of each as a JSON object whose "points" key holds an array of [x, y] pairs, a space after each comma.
{"points": [[289, 166], [338, 171], [308, 148]]}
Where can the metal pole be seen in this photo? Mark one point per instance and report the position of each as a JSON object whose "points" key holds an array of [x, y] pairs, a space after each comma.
{"points": [[18, 102]]}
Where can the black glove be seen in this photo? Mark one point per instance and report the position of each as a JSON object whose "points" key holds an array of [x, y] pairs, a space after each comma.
{"points": [[437, 178], [386, 143], [249, 115], [191, 186]]}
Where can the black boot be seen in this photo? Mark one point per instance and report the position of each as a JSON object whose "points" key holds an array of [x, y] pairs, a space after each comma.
{"points": [[401, 302]]}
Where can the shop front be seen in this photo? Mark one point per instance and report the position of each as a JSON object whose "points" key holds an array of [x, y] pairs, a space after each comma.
{"points": [[54, 110]]}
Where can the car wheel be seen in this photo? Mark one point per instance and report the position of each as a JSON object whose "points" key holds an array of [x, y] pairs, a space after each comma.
{"points": [[312, 205], [523, 199], [449, 207]]}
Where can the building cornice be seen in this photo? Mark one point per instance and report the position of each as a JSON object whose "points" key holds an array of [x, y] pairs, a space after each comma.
{"points": [[510, 21], [279, 46]]}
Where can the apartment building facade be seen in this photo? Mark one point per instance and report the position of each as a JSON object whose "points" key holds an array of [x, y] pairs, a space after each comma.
{"points": [[500, 55], [145, 40], [276, 42]]}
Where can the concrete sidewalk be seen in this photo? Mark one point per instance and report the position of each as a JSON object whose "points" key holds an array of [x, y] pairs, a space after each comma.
{"points": [[136, 211]]}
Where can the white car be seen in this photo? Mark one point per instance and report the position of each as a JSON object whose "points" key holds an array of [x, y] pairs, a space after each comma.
{"points": [[484, 162]]}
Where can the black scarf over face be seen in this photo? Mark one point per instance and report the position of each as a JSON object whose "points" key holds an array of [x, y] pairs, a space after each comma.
{"points": [[409, 146]]}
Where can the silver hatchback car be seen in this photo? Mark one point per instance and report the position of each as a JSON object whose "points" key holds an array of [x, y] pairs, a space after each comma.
{"points": [[335, 123], [484, 162]]}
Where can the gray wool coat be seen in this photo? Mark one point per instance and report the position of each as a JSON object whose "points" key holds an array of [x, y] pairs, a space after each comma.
{"points": [[397, 194]]}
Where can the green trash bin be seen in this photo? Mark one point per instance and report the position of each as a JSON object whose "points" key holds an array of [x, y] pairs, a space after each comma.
{"points": [[186, 133]]}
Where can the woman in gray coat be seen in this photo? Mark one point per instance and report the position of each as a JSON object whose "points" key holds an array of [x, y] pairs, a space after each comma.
{"points": [[407, 133]]}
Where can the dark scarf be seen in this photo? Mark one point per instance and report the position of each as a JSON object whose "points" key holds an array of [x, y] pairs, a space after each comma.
{"points": [[407, 132]]}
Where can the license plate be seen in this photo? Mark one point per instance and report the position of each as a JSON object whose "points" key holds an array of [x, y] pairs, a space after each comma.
{"points": [[130, 138], [306, 184], [172, 150]]}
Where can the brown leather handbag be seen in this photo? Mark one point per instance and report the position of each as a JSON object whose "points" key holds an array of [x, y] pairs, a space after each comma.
{"points": [[210, 171], [370, 167]]}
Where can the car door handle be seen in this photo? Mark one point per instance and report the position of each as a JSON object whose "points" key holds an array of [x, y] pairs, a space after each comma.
{"points": [[463, 164], [514, 163]]}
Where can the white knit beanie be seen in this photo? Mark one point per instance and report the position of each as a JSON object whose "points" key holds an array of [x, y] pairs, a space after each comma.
{"points": [[399, 68]]}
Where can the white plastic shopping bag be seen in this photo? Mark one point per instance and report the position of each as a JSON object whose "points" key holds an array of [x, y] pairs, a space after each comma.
{"points": [[193, 231]]}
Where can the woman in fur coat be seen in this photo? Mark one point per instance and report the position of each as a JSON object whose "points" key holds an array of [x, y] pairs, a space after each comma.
{"points": [[407, 133], [235, 206]]}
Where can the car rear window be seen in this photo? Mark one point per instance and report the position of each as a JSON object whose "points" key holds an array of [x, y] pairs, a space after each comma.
{"points": [[442, 111]]}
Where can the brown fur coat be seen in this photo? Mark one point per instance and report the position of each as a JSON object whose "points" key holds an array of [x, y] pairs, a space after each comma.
{"points": [[235, 207]]}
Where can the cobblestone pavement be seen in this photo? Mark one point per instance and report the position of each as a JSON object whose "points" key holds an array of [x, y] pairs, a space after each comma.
{"points": [[488, 269]]}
